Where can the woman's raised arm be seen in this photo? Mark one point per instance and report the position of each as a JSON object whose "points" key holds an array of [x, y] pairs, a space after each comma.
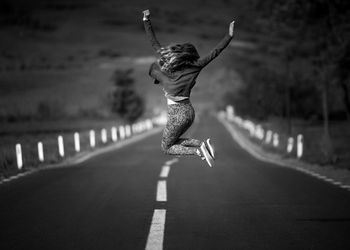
{"points": [[218, 48], [149, 30]]}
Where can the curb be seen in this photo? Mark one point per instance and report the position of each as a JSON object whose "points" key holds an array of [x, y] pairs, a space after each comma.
{"points": [[264, 156]]}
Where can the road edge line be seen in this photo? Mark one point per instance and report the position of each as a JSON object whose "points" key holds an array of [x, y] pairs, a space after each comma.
{"points": [[242, 142], [77, 159]]}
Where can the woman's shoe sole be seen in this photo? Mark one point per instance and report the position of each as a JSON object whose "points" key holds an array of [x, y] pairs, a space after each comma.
{"points": [[210, 149], [206, 154]]}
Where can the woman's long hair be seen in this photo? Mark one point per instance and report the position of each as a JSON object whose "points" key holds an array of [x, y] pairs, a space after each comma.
{"points": [[175, 56]]}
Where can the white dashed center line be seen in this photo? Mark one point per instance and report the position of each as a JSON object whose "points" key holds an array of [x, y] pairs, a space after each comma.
{"points": [[161, 191], [164, 172], [156, 232], [172, 161]]}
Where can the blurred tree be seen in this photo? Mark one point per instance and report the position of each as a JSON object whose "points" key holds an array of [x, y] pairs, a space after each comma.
{"points": [[343, 76], [50, 110], [122, 78], [315, 31], [278, 44], [125, 101]]}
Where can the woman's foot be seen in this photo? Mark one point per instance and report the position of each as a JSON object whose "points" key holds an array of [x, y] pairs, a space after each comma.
{"points": [[205, 153], [210, 148], [198, 151]]}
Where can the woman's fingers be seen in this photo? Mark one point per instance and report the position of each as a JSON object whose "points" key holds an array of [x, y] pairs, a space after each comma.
{"points": [[146, 13]]}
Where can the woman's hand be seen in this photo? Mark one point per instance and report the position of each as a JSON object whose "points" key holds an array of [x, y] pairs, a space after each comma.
{"points": [[232, 26], [146, 15]]}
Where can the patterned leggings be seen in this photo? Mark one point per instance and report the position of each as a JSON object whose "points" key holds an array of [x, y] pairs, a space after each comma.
{"points": [[180, 118]]}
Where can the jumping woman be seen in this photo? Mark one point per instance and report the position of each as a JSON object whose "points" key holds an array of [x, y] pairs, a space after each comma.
{"points": [[177, 69]]}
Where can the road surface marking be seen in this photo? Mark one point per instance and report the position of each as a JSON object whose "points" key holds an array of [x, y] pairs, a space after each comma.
{"points": [[315, 174], [161, 191], [171, 161], [156, 232], [165, 172], [14, 177]]}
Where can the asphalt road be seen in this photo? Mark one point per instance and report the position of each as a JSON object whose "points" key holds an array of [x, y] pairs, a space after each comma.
{"points": [[108, 203]]}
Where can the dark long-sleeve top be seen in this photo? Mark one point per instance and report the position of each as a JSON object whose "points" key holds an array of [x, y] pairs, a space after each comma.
{"points": [[178, 85]]}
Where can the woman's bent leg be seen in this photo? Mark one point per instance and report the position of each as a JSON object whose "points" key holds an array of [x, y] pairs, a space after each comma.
{"points": [[180, 118], [182, 150], [189, 142]]}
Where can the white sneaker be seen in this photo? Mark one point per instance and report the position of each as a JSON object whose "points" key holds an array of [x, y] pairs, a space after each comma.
{"points": [[210, 148], [206, 154], [200, 154]]}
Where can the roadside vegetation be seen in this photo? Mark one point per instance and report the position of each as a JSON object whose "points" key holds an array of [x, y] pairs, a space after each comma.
{"points": [[125, 101], [73, 65], [297, 80]]}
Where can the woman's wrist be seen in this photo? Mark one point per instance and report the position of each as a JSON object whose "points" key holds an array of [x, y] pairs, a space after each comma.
{"points": [[146, 14]]}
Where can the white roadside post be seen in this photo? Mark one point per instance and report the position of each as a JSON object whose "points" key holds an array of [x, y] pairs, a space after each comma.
{"points": [[114, 134], [248, 125], [275, 140], [262, 134], [104, 135], [60, 146], [122, 132], [230, 112], [259, 132], [40, 151], [256, 131], [77, 142], [268, 137], [92, 138], [19, 156], [290, 145], [300, 141], [251, 128]]}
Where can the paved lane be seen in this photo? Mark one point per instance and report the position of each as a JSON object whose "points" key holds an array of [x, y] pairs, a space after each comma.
{"points": [[105, 203], [108, 203], [246, 204]]}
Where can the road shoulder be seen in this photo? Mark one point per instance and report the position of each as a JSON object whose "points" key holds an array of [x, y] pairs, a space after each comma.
{"points": [[338, 177]]}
